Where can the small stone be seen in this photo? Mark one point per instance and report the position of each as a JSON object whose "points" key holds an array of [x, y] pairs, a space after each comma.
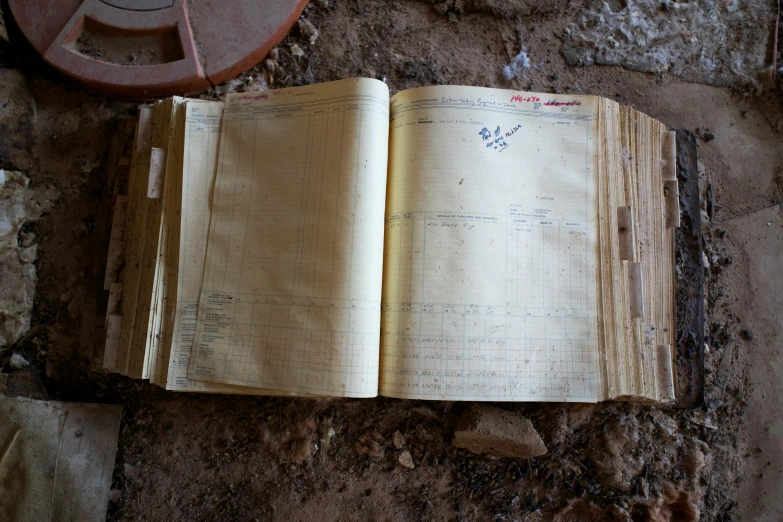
{"points": [[18, 362], [693, 462], [747, 335], [308, 30], [405, 460], [704, 419], [257, 84], [492, 431], [399, 440], [327, 433], [296, 50], [115, 495], [270, 66], [535, 516]]}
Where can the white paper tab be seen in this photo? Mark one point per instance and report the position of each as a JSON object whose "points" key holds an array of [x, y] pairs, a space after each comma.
{"points": [[635, 290], [157, 173]]}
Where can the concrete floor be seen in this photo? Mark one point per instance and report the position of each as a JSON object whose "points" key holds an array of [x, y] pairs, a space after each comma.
{"points": [[64, 127]]}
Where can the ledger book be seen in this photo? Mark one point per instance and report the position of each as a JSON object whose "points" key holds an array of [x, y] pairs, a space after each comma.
{"points": [[449, 243]]}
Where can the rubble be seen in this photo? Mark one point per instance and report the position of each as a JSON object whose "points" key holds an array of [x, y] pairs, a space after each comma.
{"points": [[653, 36], [308, 30], [18, 362], [405, 460], [18, 205], [615, 456], [399, 440], [490, 430]]}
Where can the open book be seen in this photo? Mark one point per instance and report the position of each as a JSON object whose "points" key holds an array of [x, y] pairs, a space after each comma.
{"points": [[450, 243]]}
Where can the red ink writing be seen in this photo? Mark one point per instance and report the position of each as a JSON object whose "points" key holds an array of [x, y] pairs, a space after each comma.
{"points": [[518, 98], [553, 103], [262, 96]]}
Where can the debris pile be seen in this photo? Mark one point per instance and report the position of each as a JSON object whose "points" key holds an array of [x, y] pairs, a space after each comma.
{"points": [[19, 205], [727, 44], [489, 430]]}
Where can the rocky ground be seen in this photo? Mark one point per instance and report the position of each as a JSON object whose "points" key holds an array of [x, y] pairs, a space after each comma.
{"points": [[701, 66]]}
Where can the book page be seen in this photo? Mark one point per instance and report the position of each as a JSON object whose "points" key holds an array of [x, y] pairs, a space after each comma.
{"points": [[290, 299], [199, 161], [170, 213], [189, 214], [491, 247]]}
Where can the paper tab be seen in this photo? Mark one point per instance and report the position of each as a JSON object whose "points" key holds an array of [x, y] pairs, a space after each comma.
{"points": [[665, 373], [625, 227], [635, 290], [157, 173], [671, 197]]}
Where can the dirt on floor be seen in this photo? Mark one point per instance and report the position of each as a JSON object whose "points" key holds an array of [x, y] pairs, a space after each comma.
{"points": [[701, 66]]}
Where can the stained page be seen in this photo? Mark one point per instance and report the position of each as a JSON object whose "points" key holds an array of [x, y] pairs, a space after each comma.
{"points": [[491, 247], [290, 299]]}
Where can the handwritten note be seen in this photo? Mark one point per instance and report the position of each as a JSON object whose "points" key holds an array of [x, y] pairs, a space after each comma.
{"points": [[490, 259]]}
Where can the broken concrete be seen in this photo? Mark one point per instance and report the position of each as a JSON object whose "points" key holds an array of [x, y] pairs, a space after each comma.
{"points": [[18, 205], [492, 431], [655, 36]]}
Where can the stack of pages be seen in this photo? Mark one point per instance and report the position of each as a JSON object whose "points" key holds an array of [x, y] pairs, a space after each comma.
{"points": [[447, 243]]}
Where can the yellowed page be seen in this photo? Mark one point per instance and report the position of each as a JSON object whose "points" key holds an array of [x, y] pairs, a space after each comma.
{"points": [[491, 247], [292, 280], [171, 192], [201, 141]]}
